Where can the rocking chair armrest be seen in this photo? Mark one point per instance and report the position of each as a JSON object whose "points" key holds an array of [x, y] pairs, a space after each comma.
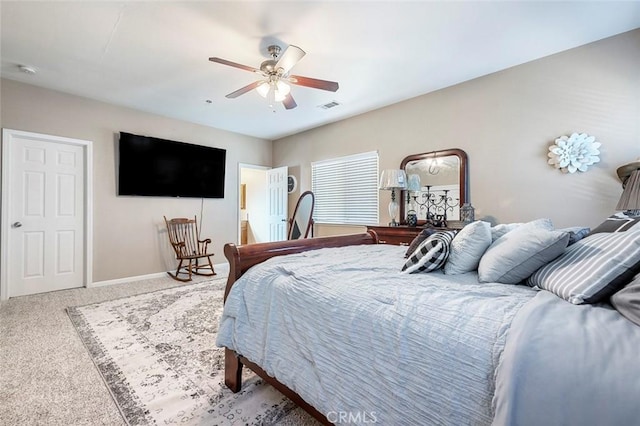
{"points": [[203, 244]]}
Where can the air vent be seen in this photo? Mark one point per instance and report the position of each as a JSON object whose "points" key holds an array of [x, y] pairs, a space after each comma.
{"points": [[330, 105]]}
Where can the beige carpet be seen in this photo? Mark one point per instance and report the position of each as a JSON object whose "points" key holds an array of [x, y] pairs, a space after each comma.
{"points": [[46, 374]]}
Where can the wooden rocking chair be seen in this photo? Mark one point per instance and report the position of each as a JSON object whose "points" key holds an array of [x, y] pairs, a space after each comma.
{"points": [[185, 240]]}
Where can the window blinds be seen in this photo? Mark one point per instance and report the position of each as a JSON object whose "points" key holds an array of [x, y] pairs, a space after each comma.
{"points": [[346, 189]]}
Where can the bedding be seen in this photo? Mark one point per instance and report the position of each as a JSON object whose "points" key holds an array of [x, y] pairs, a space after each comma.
{"points": [[347, 332], [627, 301], [566, 364]]}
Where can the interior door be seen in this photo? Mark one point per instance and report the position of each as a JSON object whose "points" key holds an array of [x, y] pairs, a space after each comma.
{"points": [[46, 216], [277, 203]]}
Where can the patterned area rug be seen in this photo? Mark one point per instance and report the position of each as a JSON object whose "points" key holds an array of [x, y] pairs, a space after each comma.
{"points": [[157, 354]]}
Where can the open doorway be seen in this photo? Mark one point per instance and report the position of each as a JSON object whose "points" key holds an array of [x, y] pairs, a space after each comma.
{"points": [[253, 204], [263, 204]]}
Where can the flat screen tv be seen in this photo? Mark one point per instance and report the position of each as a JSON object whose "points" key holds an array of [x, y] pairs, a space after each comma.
{"points": [[156, 167]]}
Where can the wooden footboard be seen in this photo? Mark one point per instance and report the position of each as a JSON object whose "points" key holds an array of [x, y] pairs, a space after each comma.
{"points": [[241, 258], [244, 257]]}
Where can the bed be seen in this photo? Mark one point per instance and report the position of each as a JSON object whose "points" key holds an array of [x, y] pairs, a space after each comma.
{"points": [[334, 325]]}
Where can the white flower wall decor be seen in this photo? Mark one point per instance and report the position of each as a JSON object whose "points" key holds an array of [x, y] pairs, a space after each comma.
{"points": [[574, 153]]}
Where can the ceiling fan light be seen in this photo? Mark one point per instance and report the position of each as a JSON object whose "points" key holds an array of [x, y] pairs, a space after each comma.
{"points": [[281, 90], [283, 87], [263, 89]]}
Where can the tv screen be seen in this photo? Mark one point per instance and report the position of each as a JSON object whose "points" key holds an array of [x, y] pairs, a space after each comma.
{"points": [[162, 168]]}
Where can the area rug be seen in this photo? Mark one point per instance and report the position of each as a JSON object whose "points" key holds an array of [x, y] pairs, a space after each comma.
{"points": [[156, 353]]}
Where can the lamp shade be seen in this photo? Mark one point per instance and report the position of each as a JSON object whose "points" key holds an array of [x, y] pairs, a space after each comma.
{"points": [[413, 182], [393, 179], [630, 199]]}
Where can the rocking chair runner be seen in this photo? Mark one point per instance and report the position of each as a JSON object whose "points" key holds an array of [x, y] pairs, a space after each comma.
{"points": [[188, 247]]}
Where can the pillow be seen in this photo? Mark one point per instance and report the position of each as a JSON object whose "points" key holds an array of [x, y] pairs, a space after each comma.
{"points": [[431, 254], [627, 301], [518, 254], [499, 230], [576, 233], [503, 229], [423, 235], [467, 248], [618, 222], [593, 268]]}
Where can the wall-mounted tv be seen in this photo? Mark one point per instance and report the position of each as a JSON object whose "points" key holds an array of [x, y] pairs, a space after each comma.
{"points": [[156, 167]]}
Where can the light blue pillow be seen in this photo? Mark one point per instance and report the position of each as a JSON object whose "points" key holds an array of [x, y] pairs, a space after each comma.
{"points": [[501, 229], [467, 248], [515, 256], [576, 233]]}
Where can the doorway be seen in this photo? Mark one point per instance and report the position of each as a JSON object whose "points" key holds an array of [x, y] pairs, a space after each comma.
{"points": [[255, 204], [46, 213]]}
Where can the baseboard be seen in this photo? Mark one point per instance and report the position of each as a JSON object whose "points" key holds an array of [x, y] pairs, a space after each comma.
{"points": [[220, 268]]}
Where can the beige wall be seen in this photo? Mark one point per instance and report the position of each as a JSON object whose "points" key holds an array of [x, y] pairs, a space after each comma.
{"points": [[506, 122], [129, 235]]}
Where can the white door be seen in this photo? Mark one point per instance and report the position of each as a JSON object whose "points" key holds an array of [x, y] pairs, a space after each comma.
{"points": [[45, 214], [277, 203]]}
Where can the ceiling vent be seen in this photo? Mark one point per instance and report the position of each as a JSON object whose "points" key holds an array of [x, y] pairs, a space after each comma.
{"points": [[330, 105]]}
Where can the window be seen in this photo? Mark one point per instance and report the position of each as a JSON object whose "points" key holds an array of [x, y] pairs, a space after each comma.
{"points": [[346, 189]]}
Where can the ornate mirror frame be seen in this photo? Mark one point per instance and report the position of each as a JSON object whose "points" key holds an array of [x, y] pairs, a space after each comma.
{"points": [[301, 226], [463, 176]]}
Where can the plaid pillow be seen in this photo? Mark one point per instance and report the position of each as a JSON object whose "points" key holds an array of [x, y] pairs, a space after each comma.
{"points": [[423, 235], [431, 254]]}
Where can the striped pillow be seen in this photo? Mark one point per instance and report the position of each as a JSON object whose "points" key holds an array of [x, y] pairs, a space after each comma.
{"points": [[431, 254], [618, 222], [593, 268]]}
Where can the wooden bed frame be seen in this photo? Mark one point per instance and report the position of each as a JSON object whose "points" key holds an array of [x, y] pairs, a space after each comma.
{"points": [[241, 258]]}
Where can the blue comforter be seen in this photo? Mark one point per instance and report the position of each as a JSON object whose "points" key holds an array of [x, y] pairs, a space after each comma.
{"points": [[354, 337]]}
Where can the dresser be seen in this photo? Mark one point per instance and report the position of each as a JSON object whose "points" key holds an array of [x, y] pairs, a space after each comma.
{"points": [[398, 235], [402, 235]]}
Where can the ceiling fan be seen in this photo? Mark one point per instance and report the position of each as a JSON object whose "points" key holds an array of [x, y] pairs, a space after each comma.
{"points": [[275, 76]]}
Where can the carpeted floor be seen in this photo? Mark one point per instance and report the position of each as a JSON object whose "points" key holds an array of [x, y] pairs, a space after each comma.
{"points": [[46, 374]]}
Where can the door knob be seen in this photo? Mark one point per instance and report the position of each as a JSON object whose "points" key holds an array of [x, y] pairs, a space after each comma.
{"points": [[17, 224]]}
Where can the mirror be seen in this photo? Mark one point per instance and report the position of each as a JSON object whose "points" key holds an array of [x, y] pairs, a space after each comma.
{"points": [[301, 225], [437, 186]]}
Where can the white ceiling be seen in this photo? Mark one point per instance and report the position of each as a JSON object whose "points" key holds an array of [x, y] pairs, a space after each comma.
{"points": [[153, 56]]}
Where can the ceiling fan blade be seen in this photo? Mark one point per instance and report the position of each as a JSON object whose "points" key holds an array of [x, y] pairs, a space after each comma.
{"points": [[289, 103], [289, 58], [245, 89], [331, 86], [233, 64]]}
